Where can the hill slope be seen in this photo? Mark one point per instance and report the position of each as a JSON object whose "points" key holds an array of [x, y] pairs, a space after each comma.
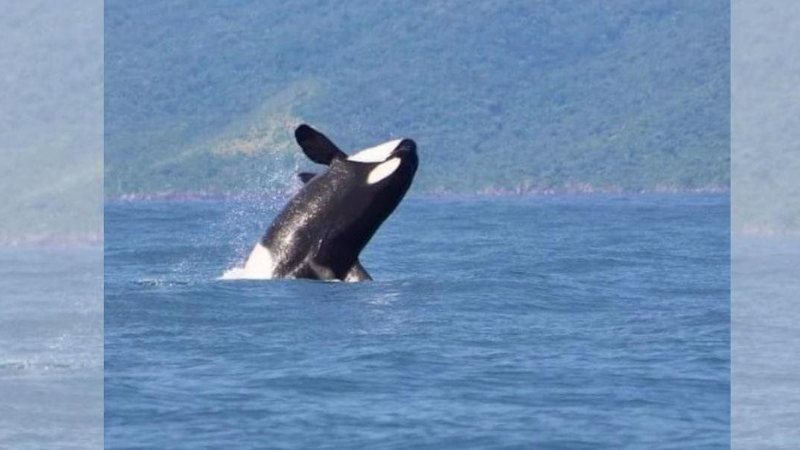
{"points": [[499, 95], [51, 114]]}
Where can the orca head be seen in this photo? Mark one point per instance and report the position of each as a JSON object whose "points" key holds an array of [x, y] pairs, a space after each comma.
{"points": [[380, 182], [389, 165]]}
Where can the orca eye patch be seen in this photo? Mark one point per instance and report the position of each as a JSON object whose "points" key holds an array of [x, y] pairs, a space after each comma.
{"points": [[376, 154], [383, 170]]}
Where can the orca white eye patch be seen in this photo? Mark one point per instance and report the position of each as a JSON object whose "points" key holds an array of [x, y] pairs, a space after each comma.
{"points": [[383, 170], [376, 154]]}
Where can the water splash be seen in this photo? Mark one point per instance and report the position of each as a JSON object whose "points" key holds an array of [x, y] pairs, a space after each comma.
{"points": [[247, 217]]}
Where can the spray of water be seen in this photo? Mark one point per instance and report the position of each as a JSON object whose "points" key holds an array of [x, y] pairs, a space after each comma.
{"points": [[247, 215]]}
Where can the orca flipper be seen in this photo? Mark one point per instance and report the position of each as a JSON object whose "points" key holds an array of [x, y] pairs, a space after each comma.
{"points": [[316, 146], [357, 273], [305, 177]]}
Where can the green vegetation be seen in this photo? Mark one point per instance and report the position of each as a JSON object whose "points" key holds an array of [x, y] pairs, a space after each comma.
{"points": [[500, 96], [765, 120], [51, 112]]}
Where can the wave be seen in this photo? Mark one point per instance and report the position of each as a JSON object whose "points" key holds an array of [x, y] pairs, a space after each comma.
{"points": [[488, 191], [52, 239], [49, 365]]}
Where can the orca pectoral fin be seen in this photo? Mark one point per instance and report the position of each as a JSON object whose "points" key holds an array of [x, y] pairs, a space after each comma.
{"points": [[316, 146], [357, 273], [305, 177]]}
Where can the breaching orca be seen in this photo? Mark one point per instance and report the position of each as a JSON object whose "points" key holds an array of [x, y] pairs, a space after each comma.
{"points": [[322, 230]]}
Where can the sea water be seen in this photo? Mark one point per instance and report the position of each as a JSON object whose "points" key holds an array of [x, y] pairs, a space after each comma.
{"points": [[592, 321], [51, 346]]}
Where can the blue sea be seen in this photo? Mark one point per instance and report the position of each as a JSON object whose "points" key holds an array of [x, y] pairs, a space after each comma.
{"points": [[587, 321], [51, 347]]}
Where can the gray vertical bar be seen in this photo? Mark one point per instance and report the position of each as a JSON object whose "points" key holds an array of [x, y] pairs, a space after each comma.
{"points": [[765, 120], [51, 225]]}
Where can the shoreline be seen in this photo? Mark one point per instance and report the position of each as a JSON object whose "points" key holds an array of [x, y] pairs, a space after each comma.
{"points": [[587, 191]]}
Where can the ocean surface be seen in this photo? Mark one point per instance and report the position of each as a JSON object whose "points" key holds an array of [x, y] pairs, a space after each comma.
{"points": [[51, 347], [591, 321], [765, 338]]}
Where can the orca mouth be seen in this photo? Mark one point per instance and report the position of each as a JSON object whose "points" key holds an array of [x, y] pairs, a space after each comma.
{"points": [[404, 148]]}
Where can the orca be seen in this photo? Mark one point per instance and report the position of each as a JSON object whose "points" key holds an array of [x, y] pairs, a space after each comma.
{"points": [[322, 230]]}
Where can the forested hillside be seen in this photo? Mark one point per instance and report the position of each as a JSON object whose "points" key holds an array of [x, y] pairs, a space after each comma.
{"points": [[499, 95], [51, 113]]}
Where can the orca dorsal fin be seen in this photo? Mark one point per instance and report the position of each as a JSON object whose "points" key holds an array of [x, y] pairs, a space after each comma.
{"points": [[316, 146], [305, 177]]}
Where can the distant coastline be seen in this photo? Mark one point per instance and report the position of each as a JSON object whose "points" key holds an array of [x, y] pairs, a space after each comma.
{"points": [[578, 189]]}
